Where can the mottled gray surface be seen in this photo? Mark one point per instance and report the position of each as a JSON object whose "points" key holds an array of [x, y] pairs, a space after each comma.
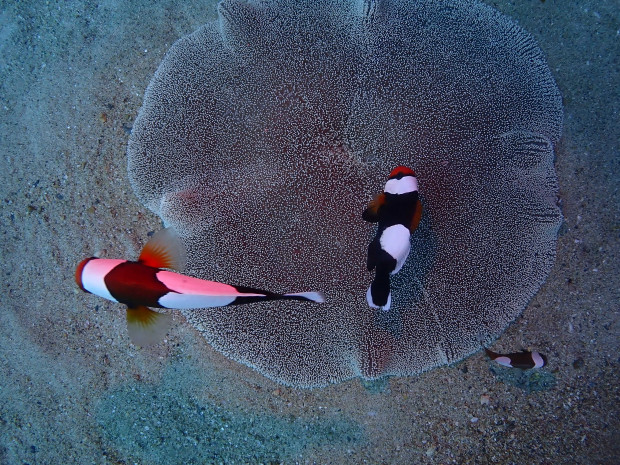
{"points": [[264, 134], [72, 79]]}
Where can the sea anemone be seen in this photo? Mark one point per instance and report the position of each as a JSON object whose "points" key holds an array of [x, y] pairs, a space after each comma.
{"points": [[264, 134]]}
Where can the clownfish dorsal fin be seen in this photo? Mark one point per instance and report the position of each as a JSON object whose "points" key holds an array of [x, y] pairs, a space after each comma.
{"points": [[490, 353], [145, 326], [163, 250]]}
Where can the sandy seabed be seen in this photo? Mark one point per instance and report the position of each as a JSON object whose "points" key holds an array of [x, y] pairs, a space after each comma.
{"points": [[74, 390]]}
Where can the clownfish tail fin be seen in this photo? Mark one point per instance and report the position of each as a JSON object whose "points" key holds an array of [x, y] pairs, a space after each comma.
{"points": [[145, 326], [317, 297], [379, 294]]}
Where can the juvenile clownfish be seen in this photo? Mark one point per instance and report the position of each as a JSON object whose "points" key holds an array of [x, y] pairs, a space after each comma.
{"points": [[143, 283], [398, 211], [524, 359]]}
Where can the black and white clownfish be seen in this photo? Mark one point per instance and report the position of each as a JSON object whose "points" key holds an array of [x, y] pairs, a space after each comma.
{"points": [[143, 283], [398, 211], [524, 359]]}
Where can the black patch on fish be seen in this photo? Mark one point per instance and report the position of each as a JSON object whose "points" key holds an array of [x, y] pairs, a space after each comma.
{"points": [[522, 360], [135, 284], [397, 209]]}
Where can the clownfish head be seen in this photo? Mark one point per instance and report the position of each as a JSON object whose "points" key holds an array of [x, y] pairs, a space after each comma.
{"points": [[401, 171], [79, 271], [402, 180]]}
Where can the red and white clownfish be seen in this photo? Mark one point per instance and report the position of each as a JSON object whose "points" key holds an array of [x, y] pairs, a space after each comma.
{"points": [[524, 359], [143, 283], [398, 211]]}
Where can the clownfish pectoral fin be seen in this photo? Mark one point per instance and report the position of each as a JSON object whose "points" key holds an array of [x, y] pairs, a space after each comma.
{"points": [[371, 214], [164, 250], [145, 326], [417, 216]]}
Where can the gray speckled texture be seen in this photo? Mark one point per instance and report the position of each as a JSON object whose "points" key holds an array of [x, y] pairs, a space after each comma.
{"points": [[71, 81]]}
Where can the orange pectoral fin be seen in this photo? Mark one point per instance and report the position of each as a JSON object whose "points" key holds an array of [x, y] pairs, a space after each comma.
{"points": [[371, 214], [415, 221], [163, 250], [145, 326]]}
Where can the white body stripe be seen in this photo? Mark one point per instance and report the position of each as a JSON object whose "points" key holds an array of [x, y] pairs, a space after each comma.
{"points": [[403, 185], [189, 301], [395, 241], [93, 274], [371, 303], [505, 361], [538, 360], [191, 292], [317, 297]]}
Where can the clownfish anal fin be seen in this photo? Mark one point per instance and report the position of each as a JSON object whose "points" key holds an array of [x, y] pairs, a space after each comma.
{"points": [[371, 214], [164, 250], [145, 326], [417, 216]]}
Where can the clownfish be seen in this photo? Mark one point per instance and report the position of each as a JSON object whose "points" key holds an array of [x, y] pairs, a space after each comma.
{"points": [[397, 210], [524, 359], [144, 283]]}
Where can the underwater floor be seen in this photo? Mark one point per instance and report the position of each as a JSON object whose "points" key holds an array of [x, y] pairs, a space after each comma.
{"points": [[74, 390]]}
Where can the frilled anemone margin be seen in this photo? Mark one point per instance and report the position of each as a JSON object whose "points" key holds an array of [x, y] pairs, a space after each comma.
{"points": [[264, 134]]}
